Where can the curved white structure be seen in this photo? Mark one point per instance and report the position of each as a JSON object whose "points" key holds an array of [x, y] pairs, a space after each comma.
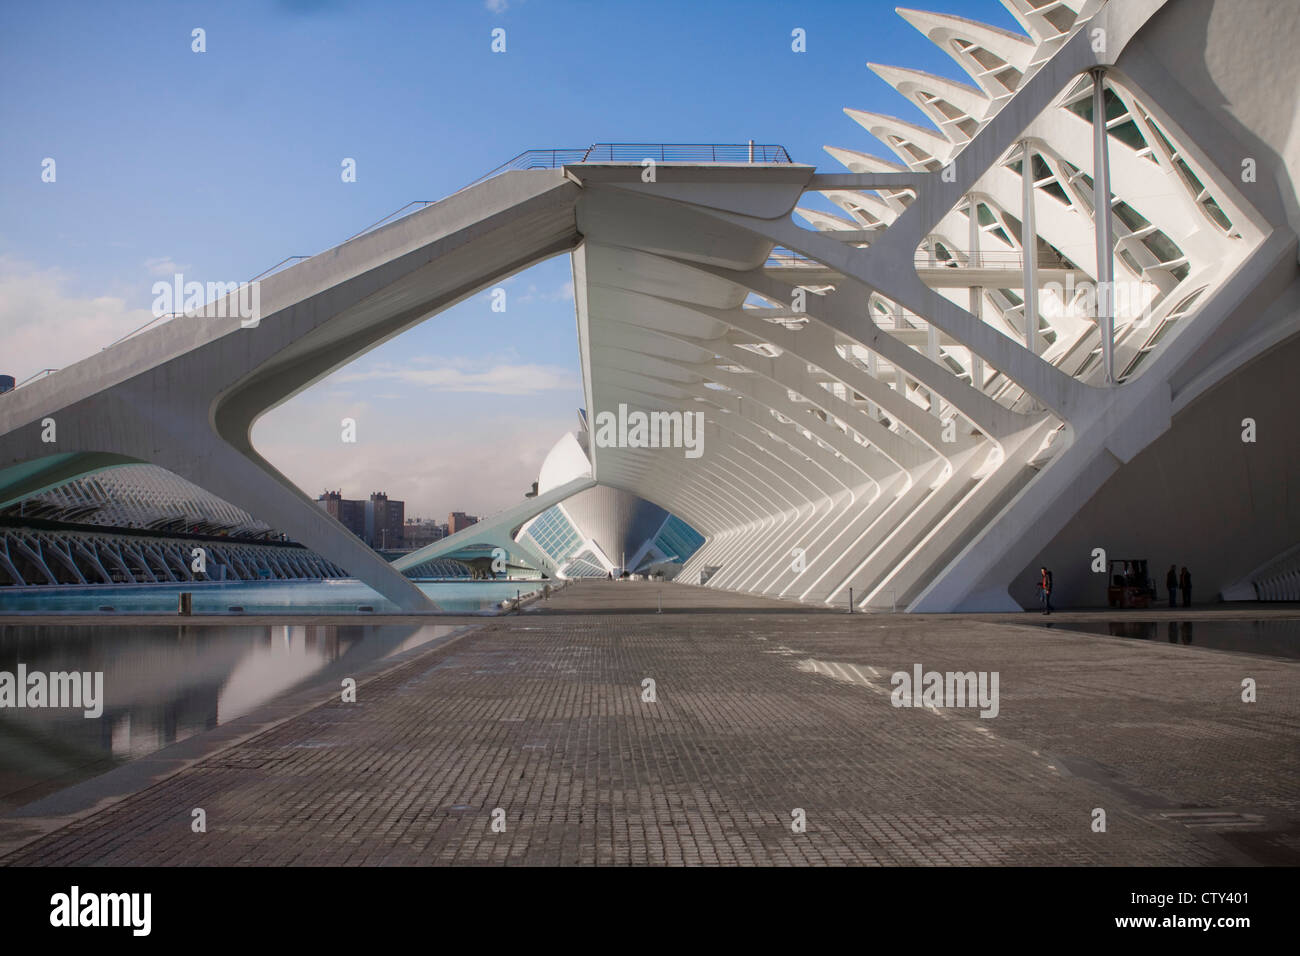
{"points": [[914, 395], [1037, 333]]}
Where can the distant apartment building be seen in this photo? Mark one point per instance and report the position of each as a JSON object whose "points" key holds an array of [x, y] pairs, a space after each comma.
{"points": [[385, 521], [348, 512], [418, 534], [378, 522], [459, 521]]}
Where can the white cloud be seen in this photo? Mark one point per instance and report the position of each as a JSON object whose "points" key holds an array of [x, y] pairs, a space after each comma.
{"points": [[473, 452], [496, 6], [499, 379], [563, 294], [163, 266], [475, 460], [41, 326], [435, 464]]}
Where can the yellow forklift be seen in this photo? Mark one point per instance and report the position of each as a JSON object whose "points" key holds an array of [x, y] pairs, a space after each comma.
{"points": [[1129, 584]]}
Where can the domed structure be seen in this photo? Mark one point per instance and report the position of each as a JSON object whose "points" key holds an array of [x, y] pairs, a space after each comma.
{"points": [[602, 530]]}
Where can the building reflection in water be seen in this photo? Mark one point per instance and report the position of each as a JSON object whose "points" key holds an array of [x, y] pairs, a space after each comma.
{"points": [[163, 684], [1175, 631], [1272, 637]]}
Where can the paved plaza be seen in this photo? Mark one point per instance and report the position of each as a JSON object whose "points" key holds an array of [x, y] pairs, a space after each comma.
{"points": [[760, 710]]}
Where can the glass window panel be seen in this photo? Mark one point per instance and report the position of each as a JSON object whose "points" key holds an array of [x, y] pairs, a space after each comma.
{"points": [[1056, 192], [1130, 216], [1192, 180], [1162, 247], [1216, 213], [1129, 135], [1115, 107]]}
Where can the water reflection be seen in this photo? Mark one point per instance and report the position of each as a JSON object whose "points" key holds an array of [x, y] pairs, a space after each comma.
{"points": [[1273, 637], [163, 684], [1176, 631], [273, 597]]}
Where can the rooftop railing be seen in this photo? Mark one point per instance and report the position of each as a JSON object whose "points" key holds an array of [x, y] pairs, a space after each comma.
{"points": [[171, 315], [41, 374], [1010, 260], [730, 153]]}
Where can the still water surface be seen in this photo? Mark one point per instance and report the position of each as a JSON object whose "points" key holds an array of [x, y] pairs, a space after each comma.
{"points": [[1271, 637], [254, 597], [164, 683]]}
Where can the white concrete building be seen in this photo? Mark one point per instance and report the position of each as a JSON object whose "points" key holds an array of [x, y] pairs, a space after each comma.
{"points": [[917, 379]]}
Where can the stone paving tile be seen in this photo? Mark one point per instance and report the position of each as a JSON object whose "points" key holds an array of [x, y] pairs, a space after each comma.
{"points": [[542, 717]]}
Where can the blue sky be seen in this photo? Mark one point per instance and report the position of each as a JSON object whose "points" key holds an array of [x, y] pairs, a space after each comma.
{"points": [[219, 164]]}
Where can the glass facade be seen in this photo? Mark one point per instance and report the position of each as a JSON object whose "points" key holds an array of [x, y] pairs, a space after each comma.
{"points": [[585, 567], [678, 540], [554, 534]]}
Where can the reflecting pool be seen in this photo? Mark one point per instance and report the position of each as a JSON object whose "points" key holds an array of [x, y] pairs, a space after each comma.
{"points": [[162, 684], [1273, 637], [258, 597]]}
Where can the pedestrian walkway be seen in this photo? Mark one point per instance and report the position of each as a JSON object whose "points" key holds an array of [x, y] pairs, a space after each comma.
{"points": [[566, 736], [667, 597]]}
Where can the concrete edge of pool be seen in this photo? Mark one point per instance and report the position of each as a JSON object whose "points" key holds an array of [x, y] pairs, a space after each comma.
{"points": [[63, 807]]}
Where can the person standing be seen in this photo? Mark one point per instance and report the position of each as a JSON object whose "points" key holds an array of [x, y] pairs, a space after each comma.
{"points": [[1045, 589], [1171, 582], [1185, 582]]}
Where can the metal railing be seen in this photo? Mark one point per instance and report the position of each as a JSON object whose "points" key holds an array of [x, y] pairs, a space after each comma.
{"points": [[729, 153], [781, 256], [538, 159], [732, 153], [153, 321], [35, 376], [995, 259], [924, 259], [275, 268], [171, 315], [395, 214]]}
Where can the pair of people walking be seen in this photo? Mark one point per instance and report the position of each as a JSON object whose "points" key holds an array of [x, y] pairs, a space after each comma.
{"points": [[1177, 581]]}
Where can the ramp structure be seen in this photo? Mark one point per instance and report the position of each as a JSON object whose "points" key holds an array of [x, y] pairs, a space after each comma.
{"points": [[1039, 333], [499, 531], [184, 395]]}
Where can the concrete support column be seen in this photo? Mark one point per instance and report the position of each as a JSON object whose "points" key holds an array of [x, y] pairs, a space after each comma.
{"points": [[1029, 246], [976, 292], [1101, 226], [932, 353], [900, 380]]}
